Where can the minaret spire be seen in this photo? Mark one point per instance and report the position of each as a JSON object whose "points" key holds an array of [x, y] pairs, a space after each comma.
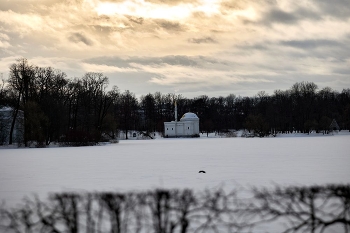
{"points": [[175, 111]]}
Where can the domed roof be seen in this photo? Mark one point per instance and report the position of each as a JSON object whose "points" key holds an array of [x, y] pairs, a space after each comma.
{"points": [[189, 116]]}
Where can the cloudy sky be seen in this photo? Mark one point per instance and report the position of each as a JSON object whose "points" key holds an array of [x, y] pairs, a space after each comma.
{"points": [[192, 47]]}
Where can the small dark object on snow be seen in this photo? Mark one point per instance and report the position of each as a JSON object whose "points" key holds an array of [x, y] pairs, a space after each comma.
{"points": [[201, 171]]}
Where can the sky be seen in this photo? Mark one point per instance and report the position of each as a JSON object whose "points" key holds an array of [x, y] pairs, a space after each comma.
{"points": [[188, 47]]}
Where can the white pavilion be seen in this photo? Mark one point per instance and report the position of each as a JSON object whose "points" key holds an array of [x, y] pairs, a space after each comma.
{"points": [[188, 126]]}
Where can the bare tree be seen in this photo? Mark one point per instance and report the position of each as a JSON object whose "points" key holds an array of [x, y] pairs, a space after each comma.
{"points": [[20, 81], [128, 113]]}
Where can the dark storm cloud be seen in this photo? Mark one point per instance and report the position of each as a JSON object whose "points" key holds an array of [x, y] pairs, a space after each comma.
{"points": [[308, 48], [323, 9], [202, 40], [342, 71], [176, 60], [169, 25], [231, 5], [335, 8], [13, 6], [262, 46], [276, 15], [279, 16], [138, 20], [304, 13], [319, 48], [186, 61], [311, 44], [120, 62], [102, 18], [78, 37]]}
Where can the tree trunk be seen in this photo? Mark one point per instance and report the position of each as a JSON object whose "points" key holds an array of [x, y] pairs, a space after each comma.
{"points": [[14, 117]]}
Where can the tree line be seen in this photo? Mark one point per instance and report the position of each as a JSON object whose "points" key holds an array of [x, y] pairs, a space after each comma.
{"points": [[317, 208], [84, 110]]}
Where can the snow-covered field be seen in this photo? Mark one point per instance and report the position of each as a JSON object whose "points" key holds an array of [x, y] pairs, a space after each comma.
{"points": [[174, 163]]}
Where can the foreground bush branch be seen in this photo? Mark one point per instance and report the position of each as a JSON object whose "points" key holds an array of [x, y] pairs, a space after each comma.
{"points": [[281, 209]]}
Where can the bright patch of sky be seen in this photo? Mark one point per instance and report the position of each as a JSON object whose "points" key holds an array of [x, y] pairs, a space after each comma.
{"points": [[156, 11]]}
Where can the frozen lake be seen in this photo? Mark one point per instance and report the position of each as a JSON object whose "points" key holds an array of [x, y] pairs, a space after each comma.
{"points": [[174, 163]]}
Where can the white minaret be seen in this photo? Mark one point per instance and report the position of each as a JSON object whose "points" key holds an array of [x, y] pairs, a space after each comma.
{"points": [[175, 111]]}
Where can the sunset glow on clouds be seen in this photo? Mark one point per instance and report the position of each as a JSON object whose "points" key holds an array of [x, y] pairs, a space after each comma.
{"points": [[193, 46]]}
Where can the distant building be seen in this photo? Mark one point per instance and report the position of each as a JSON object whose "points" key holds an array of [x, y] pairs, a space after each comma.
{"points": [[6, 116], [188, 126], [334, 126]]}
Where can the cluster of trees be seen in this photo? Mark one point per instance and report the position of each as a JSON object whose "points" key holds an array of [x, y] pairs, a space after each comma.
{"points": [[57, 108], [283, 209]]}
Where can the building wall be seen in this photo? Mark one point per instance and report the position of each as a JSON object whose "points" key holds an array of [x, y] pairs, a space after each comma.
{"points": [[196, 127], [169, 128], [181, 128], [132, 134], [188, 128], [6, 116]]}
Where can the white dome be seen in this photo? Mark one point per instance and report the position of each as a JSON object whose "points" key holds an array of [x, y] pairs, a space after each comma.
{"points": [[190, 116]]}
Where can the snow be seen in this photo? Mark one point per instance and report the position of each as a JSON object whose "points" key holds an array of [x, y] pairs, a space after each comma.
{"points": [[174, 163]]}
